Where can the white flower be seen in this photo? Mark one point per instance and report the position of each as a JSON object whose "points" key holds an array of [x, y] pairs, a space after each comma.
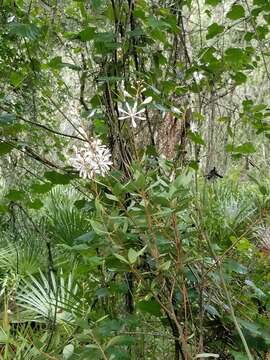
{"points": [[91, 159], [197, 76], [10, 19], [92, 113], [193, 126], [175, 110], [132, 113]]}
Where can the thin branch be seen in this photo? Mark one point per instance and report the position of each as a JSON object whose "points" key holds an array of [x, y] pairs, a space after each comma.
{"points": [[44, 127]]}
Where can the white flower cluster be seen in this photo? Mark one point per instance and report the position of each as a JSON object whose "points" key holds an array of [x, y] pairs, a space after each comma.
{"points": [[91, 159]]}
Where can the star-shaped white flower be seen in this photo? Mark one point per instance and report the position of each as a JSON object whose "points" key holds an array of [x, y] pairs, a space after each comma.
{"points": [[132, 113], [193, 127]]}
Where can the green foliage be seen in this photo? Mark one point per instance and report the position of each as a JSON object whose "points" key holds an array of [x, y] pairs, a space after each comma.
{"points": [[236, 12], [52, 299], [151, 256], [65, 221], [213, 30]]}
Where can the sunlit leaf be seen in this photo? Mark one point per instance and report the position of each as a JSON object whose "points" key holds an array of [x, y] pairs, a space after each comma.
{"points": [[236, 12], [68, 351], [214, 30]]}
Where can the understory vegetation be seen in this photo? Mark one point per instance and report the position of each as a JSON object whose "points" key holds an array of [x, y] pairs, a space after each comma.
{"points": [[134, 179]]}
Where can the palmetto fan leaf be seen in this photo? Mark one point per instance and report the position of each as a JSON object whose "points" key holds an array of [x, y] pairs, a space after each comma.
{"points": [[51, 299], [227, 212], [263, 234], [65, 221], [24, 344], [23, 257], [236, 212]]}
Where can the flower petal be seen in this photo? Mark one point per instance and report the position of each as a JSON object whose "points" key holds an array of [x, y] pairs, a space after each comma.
{"points": [[140, 117], [123, 111], [134, 108], [129, 108], [140, 111], [127, 94]]}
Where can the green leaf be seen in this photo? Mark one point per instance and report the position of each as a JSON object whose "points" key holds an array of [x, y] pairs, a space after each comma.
{"points": [[41, 188], [161, 200], [111, 197], [36, 204], [246, 148], [196, 138], [249, 36], [132, 256], [87, 237], [239, 78], [236, 267], [258, 292], [16, 78], [263, 190], [136, 32], [213, 2], [68, 351], [236, 12], [98, 227], [194, 165], [259, 107], [159, 35], [96, 4], [87, 34], [212, 310], [120, 340], [149, 306], [15, 195], [234, 55], [238, 355], [81, 247], [29, 31], [5, 148], [56, 62], [121, 258], [214, 30], [243, 245], [84, 204], [155, 23], [252, 327], [262, 31], [3, 208], [102, 292], [56, 178], [182, 181], [165, 266]]}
